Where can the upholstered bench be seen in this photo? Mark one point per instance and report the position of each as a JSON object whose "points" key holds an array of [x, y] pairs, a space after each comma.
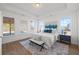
{"points": [[40, 43]]}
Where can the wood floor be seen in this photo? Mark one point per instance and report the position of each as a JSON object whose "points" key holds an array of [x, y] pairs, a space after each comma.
{"points": [[15, 48], [73, 49]]}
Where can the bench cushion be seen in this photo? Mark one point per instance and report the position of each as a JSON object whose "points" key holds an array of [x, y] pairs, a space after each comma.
{"points": [[37, 42]]}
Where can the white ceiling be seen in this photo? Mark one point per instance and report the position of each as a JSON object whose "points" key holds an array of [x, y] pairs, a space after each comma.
{"points": [[45, 9]]}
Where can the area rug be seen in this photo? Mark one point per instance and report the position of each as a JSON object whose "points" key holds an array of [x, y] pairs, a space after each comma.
{"points": [[56, 49]]}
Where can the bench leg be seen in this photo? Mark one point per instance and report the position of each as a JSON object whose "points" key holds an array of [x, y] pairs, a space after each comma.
{"points": [[42, 46]]}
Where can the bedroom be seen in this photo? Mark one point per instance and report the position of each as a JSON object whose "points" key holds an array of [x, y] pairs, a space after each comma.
{"points": [[40, 21]]}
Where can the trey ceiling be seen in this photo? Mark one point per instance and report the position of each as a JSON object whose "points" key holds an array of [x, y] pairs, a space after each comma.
{"points": [[45, 9]]}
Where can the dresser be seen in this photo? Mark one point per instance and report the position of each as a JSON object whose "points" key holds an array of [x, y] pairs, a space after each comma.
{"points": [[65, 39]]}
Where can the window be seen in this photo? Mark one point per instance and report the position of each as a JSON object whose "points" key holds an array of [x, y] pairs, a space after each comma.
{"points": [[65, 24], [37, 25]]}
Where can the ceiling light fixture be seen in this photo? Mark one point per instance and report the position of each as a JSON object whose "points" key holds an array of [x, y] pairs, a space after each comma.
{"points": [[36, 5]]}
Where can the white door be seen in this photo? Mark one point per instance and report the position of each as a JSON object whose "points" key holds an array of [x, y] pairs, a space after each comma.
{"points": [[0, 33]]}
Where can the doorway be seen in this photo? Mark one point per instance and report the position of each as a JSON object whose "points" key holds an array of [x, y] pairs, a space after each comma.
{"points": [[8, 26]]}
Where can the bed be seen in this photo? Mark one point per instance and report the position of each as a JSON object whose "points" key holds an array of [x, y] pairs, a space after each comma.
{"points": [[48, 38]]}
